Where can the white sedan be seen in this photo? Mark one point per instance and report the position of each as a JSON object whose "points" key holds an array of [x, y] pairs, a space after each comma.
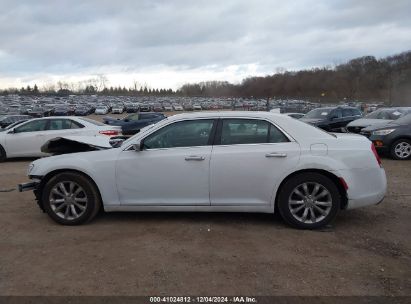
{"points": [[223, 161], [26, 139]]}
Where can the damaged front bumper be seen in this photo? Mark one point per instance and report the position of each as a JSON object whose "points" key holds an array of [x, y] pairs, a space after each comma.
{"points": [[28, 186], [35, 186]]}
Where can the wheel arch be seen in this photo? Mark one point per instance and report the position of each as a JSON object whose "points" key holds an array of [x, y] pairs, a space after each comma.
{"points": [[51, 174], [3, 152], [333, 177]]}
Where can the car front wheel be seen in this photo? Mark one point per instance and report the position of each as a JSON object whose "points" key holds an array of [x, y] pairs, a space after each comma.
{"points": [[309, 200], [71, 199]]}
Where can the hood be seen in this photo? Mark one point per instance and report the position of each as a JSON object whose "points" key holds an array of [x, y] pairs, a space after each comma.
{"points": [[365, 122], [390, 125]]}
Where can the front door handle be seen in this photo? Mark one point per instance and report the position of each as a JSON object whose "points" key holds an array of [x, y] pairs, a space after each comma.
{"points": [[275, 154], [195, 157]]}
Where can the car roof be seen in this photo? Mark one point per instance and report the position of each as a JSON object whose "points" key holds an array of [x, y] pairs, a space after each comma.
{"points": [[226, 114]]}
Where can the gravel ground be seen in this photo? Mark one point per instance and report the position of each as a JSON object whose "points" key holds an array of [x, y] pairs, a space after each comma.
{"points": [[365, 251]]}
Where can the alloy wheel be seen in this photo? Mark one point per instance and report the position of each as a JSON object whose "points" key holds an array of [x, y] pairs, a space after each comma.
{"points": [[68, 200], [402, 150], [310, 202]]}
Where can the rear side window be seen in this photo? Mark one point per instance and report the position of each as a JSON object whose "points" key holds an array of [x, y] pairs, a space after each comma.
{"points": [[63, 124], [249, 131]]}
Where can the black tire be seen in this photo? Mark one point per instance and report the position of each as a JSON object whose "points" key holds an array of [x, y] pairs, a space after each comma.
{"points": [[92, 206], [287, 193], [3, 155], [407, 153]]}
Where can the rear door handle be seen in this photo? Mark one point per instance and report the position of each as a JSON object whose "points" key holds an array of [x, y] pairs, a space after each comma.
{"points": [[275, 154], [195, 157]]}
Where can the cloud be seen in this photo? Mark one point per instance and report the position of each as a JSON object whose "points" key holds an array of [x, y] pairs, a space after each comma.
{"points": [[75, 38]]}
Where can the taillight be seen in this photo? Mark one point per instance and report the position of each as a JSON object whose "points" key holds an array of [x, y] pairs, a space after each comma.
{"points": [[344, 183], [109, 132], [376, 155]]}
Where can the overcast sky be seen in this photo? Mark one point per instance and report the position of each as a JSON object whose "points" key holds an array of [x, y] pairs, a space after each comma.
{"points": [[166, 43]]}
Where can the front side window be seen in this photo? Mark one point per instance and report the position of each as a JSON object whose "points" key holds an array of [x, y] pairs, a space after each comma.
{"points": [[189, 133], [32, 126], [250, 131]]}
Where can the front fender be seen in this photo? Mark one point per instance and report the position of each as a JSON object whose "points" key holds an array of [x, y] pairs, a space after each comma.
{"points": [[100, 168]]}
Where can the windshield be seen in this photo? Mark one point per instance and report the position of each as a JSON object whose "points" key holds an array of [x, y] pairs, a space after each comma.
{"points": [[389, 114], [13, 125], [318, 113]]}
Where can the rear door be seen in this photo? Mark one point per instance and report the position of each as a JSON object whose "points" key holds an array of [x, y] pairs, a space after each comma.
{"points": [[249, 158]]}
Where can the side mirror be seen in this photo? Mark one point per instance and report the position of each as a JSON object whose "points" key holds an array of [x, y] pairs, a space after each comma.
{"points": [[137, 147], [126, 120], [12, 131], [333, 117]]}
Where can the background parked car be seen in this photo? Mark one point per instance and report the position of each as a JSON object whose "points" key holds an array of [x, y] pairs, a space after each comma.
{"points": [[117, 109], [132, 108], [82, 111], [39, 111], [63, 111], [332, 119], [26, 139], [157, 107], [101, 110], [144, 119], [177, 107], [145, 108], [378, 118], [394, 138]]}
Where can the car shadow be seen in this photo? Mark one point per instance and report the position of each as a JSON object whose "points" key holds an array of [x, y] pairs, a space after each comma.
{"points": [[192, 217]]}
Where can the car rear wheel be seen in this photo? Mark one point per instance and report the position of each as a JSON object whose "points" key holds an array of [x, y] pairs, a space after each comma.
{"points": [[309, 201], [3, 155], [401, 149], [71, 199]]}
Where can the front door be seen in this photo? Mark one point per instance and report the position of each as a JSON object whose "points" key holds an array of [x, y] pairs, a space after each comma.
{"points": [[172, 167]]}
